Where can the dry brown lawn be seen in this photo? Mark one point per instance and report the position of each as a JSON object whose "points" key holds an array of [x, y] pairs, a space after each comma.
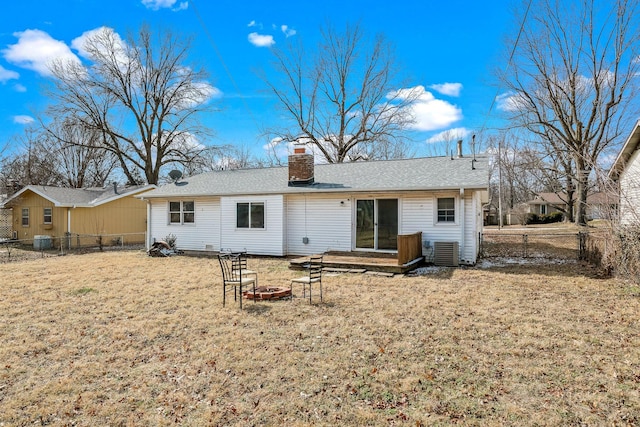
{"points": [[125, 339]]}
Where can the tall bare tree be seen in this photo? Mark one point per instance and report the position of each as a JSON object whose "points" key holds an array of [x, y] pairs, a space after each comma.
{"points": [[343, 98], [140, 96], [78, 155], [571, 81], [30, 163]]}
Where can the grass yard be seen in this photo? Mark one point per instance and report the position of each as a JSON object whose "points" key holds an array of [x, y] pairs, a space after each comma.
{"points": [[123, 339]]}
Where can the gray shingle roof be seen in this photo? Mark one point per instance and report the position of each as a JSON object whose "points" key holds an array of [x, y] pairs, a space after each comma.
{"points": [[61, 196], [432, 173]]}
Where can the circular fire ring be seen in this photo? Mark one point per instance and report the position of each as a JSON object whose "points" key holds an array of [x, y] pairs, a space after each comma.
{"points": [[268, 292]]}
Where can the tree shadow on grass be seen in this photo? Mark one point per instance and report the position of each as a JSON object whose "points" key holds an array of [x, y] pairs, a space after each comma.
{"points": [[552, 267], [543, 266]]}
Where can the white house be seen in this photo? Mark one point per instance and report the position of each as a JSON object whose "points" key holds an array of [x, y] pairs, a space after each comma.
{"points": [[626, 172], [304, 208]]}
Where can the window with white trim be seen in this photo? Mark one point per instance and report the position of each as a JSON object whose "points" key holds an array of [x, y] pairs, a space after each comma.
{"points": [[182, 212], [25, 217], [47, 216], [446, 209], [250, 215]]}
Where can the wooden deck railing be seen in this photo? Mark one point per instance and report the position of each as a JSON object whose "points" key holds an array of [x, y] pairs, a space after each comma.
{"points": [[409, 247]]}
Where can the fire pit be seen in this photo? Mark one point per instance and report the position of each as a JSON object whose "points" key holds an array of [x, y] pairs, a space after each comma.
{"points": [[268, 292]]}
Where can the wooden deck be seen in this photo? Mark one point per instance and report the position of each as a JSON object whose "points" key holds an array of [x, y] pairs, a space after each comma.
{"points": [[360, 262]]}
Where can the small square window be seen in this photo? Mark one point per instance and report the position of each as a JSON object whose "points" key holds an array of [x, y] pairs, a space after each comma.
{"points": [[182, 212], [250, 215], [446, 209]]}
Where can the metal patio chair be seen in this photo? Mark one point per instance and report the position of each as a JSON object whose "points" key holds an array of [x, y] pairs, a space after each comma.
{"points": [[233, 276], [314, 276]]}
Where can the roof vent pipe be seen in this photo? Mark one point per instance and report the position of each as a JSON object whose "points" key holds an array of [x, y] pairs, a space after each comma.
{"points": [[459, 148], [115, 187]]}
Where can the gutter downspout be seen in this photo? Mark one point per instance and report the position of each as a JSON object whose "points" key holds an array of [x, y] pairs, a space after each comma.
{"points": [[462, 223], [147, 238], [69, 226]]}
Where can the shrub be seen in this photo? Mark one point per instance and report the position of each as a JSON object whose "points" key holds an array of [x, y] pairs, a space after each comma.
{"points": [[619, 251], [553, 217], [171, 240], [532, 218], [627, 262]]}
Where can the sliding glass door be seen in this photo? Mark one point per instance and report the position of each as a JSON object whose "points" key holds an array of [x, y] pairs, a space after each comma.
{"points": [[377, 224]]}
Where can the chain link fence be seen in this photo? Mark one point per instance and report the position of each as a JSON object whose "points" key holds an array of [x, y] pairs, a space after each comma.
{"points": [[49, 246], [569, 246]]}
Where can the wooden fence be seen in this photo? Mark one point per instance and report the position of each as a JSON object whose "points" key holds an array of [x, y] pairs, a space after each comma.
{"points": [[409, 247]]}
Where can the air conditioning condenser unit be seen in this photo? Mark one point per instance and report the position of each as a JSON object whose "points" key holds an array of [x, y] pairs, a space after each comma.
{"points": [[446, 254]]}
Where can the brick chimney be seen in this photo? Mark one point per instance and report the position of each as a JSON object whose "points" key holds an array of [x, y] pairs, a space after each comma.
{"points": [[300, 167]]}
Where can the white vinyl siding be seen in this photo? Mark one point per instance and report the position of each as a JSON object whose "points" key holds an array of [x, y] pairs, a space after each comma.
{"points": [[630, 191], [202, 237], [309, 224], [267, 240], [469, 250], [324, 220], [419, 213]]}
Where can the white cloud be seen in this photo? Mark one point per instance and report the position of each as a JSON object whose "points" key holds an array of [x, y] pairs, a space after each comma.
{"points": [[509, 102], [207, 91], [288, 32], [449, 135], [35, 50], [252, 24], [184, 5], [164, 4], [260, 40], [19, 88], [23, 120], [428, 112], [449, 89], [79, 43], [198, 94], [186, 141], [6, 75]]}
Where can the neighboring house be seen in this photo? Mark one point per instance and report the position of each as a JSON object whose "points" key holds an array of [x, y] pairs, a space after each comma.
{"points": [[547, 203], [304, 209], [55, 211], [626, 172], [599, 205]]}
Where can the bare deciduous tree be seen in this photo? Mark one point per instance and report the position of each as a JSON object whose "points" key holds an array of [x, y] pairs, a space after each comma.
{"points": [[140, 96], [30, 164], [571, 81], [343, 98], [78, 154]]}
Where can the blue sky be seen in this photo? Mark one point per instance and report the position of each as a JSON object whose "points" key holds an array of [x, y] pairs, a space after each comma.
{"points": [[449, 48]]}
